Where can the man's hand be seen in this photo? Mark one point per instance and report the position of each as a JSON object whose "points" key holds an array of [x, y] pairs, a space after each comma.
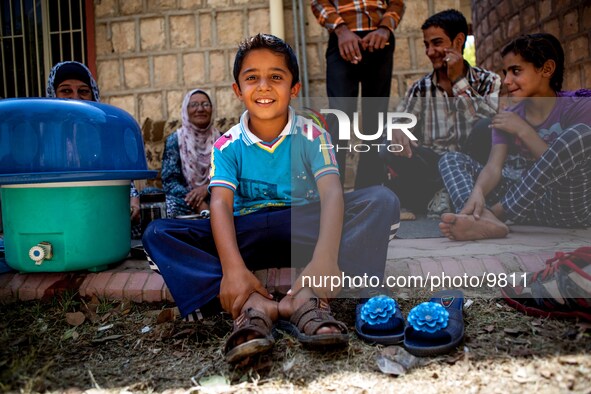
{"points": [[349, 44], [236, 287], [398, 137], [455, 64], [375, 40], [196, 196]]}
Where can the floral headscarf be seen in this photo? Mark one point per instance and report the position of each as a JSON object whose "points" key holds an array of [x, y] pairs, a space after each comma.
{"points": [[71, 70], [195, 145]]}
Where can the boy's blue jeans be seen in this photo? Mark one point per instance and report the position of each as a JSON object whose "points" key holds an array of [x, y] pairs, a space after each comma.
{"points": [[186, 254]]}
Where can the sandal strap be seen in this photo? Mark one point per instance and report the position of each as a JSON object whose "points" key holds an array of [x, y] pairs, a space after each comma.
{"points": [[314, 314], [253, 317], [250, 320]]}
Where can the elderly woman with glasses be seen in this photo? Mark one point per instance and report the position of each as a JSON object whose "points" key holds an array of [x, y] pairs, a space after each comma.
{"points": [[186, 158]]}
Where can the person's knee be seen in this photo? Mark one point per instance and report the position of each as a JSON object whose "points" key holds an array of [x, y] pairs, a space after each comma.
{"points": [[450, 159], [579, 132], [383, 200], [155, 231], [482, 126]]}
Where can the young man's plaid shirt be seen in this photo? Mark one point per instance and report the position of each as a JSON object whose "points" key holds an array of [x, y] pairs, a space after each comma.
{"points": [[444, 122], [358, 15]]}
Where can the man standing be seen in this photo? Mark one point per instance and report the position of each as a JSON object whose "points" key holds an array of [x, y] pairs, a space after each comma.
{"points": [[360, 51], [453, 106]]}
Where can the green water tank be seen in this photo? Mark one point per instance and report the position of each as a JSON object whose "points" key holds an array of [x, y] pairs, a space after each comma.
{"points": [[65, 172]]}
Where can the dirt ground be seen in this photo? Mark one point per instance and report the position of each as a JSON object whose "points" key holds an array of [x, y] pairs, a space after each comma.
{"points": [[73, 345]]}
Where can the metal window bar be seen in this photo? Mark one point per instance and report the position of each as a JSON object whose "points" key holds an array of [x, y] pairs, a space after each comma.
{"points": [[11, 13], [76, 35], [20, 53], [3, 57], [39, 63], [26, 54]]}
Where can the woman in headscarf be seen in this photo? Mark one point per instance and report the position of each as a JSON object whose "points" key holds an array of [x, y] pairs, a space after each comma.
{"points": [[187, 155], [73, 80]]}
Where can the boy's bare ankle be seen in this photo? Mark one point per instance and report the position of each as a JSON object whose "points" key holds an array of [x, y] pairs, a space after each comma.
{"points": [[290, 303], [262, 304]]}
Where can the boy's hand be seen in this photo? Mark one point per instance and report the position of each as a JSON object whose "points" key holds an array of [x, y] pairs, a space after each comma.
{"points": [[319, 272], [236, 287]]}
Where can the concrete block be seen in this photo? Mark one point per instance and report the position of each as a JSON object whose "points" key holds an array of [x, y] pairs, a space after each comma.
{"points": [[103, 45], [152, 34], [230, 28], [123, 37], [136, 72], [570, 23], [105, 8], [577, 49], [217, 67], [125, 102], [150, 105], [160, 5], [174, 100], [258, 22], [205, 32], [182, 31], [194, 70], [109, 75], [165, 71], [414, 16], [130, 7]]}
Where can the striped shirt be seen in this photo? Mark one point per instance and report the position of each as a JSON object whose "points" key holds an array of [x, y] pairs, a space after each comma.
{"points": [[358, 15], [444, 122], [280, 173]]}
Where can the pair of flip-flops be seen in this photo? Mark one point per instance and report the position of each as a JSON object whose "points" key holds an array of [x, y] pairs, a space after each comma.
{"points": [[432, 328]]}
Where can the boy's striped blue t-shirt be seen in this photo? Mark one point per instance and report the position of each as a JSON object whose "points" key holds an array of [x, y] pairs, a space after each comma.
{"points": [[280, 173]]}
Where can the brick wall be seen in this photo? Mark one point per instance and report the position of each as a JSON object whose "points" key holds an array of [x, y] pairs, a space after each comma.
{"points": [[497, 22], [150, 52]]}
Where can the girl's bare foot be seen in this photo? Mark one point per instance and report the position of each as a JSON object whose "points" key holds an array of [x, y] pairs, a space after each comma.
{"points": [[460, 227]]}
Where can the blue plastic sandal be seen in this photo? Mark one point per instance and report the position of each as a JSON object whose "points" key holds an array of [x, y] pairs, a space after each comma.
{"points": [[380, 321], [436, 327]]}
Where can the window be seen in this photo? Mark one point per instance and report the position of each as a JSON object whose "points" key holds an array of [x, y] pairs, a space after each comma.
{"points": [[36, 34]]}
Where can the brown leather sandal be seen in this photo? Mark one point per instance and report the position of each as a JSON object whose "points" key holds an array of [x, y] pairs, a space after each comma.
{"points": [[251, 321], [308, 318]]}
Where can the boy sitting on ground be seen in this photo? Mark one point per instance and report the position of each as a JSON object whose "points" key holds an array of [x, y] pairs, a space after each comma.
{"points": [[275, 197]]}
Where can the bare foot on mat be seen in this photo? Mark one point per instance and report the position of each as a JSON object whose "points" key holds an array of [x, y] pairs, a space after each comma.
{"points": [[460, 227]]}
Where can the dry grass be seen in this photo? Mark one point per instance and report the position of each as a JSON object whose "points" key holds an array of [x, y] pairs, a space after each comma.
{"points": [[504, 351]]}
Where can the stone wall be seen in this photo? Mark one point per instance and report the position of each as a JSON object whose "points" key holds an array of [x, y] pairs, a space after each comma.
{"points": [[497, 22], [150, 52]]}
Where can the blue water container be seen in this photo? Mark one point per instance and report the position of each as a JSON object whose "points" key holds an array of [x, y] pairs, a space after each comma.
{"points": [[65, 171]]}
